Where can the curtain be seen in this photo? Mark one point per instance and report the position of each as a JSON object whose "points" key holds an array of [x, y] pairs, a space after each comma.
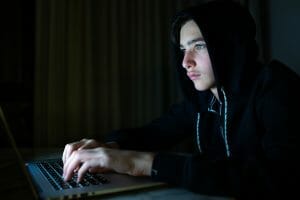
{"points": [[101, 65]]}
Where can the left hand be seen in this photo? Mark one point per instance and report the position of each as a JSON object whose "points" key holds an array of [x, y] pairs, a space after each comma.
{"points": [[103, 159], [84, 144]]}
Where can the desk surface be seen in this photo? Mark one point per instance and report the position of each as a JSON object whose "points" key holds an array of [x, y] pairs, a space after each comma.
{"points": [[162, 194], [17, 187]]}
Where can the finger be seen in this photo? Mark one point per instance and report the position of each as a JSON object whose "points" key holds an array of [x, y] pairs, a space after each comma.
{"points": [[76, 169], [70, 148], [64, 154], [85, 146], [69, 161], [71, 165], [83, 169], [90, 143], [66, 164]]}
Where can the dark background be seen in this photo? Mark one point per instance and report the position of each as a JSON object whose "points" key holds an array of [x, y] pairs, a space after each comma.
{"points": [[17, 55], [17, 67]]}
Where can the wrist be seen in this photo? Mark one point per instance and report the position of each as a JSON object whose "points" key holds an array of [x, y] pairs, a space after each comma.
{"points": [[149, 162], [143, 164]]}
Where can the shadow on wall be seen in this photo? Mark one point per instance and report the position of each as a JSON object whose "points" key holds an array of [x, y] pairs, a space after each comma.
{"points": [[285, 31]]}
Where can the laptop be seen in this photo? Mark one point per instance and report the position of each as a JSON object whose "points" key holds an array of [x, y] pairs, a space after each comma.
{"points": [[44, 177]]}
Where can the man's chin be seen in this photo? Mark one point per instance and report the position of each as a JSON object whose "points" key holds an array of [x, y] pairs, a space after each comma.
{"points": [[200, 87]]}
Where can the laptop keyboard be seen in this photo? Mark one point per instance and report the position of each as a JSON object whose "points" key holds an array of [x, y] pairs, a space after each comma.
{"points": [[53, 170]]}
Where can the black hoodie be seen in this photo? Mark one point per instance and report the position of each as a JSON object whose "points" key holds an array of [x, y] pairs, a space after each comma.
{"points": [[249, 146]]}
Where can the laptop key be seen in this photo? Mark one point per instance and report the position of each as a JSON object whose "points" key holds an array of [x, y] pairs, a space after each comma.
{"points": [[101, 178], [53, 170]]}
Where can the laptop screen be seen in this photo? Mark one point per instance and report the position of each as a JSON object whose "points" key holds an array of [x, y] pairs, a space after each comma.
{"points": [[15, 181]]}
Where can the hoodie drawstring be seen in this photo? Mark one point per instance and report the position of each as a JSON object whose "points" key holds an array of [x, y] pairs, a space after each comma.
{"points": [[197, 130], [223, 130], [224, 133]]}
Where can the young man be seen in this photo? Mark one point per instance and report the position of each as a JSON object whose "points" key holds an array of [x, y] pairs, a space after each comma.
{"points": [[239, 113]]}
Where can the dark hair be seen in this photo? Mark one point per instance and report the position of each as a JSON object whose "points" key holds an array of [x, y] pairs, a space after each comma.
{"points": [[179, 20], [227, 14]]}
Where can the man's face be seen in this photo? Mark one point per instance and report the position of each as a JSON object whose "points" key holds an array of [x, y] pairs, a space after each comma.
{"points": [[196, 59]]}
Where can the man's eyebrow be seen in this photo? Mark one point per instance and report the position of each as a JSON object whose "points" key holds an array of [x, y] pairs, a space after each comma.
{"points": [[193, 41]]}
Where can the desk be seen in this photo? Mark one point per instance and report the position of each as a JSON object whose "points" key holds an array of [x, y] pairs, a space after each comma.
{"points": [[14, 186], [163, 194]]}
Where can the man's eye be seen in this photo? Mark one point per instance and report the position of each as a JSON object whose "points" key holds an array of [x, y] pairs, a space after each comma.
{"points": [[182, 50], [200, 46]]}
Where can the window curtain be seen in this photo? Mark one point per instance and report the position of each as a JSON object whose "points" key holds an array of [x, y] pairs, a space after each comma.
{"points": [[101, 65]]}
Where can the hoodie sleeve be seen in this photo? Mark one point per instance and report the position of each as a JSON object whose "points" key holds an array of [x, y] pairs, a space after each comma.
{"points": [[279, 111], [209, 177], [160, 134]]}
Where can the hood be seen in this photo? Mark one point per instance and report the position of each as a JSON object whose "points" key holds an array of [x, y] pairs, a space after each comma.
{"points": [[229, 32]]}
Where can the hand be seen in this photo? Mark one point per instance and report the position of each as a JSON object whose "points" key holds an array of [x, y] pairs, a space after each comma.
{"points": [[102, 159], [84, 144]]}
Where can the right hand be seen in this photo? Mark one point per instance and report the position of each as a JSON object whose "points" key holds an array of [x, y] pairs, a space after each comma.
{"points": [[103, 159], [83, 144]]}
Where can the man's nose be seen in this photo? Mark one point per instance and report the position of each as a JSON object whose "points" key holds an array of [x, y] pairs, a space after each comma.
{"points": [[188, 60]]}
